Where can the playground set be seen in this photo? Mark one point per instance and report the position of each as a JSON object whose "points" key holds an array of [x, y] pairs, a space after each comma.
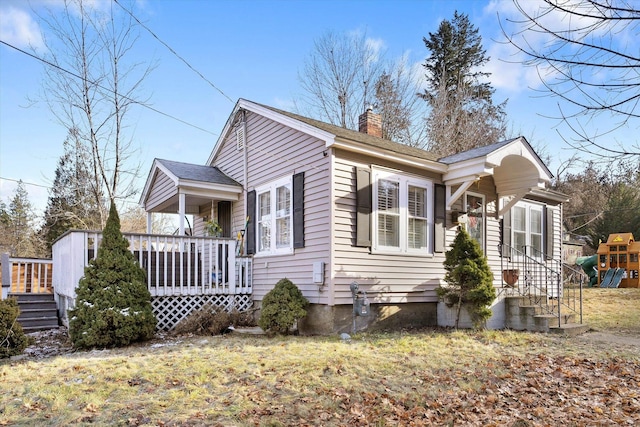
{"points": [[616, 263]]}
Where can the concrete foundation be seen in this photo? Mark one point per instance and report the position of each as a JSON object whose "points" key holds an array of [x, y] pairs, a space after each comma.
{"points": [[327, 320], [447, 316]]}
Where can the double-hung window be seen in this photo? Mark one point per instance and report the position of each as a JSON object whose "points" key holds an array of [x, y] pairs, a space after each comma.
{"points": [[274, 217], [527, 228], [402, 217]]}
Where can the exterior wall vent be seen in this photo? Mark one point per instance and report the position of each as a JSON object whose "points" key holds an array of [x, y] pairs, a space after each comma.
{"points": [[240, 137]]}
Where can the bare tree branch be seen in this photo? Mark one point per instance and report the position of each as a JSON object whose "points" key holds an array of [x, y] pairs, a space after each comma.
{"points": [[585, 53]]}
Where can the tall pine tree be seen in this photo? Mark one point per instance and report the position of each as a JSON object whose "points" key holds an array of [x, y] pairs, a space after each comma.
{"points": [[17, 221], [72, 203], [462, 115]]}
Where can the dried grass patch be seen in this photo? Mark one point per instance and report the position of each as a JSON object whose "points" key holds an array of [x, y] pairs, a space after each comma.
{"points": [[613, 310]]}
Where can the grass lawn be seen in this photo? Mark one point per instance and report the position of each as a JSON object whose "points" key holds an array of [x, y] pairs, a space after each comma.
{"points": [[429, 377]]}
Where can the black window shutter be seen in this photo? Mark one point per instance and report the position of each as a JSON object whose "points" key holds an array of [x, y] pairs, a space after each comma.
{"points": [[250, 232], [440, 218], [549, 248], [298, 210], [363, 207], [505, 233]]}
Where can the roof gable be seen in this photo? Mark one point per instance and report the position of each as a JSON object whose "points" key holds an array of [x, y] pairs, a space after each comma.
{"points": [[186, 177]]}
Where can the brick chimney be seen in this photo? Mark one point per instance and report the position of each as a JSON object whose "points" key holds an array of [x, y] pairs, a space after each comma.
{"points": [[370, 123]]}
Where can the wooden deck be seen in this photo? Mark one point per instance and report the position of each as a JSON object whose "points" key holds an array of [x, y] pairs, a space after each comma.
{"points": [[175, 265], [25, 275]]}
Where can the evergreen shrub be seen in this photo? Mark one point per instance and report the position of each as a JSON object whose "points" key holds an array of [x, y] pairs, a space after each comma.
{"points": [[113, 304], [282, 307], [469, 280], [13, 340]]}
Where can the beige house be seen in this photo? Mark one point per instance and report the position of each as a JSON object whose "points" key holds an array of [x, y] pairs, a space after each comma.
{"points": [[328, 207]]}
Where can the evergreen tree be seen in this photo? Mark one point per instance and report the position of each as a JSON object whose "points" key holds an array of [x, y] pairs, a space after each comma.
{"points": [[456, 56], [113, 304], [462, 115], [5, 221], [621, 214], [72, 203], [17, 233], [469, 280]]}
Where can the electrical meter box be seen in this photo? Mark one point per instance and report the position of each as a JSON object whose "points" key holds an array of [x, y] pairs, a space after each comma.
{"points": [[362, 306]]}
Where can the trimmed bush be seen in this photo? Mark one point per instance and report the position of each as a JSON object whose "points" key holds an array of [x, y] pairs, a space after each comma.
{"points": [[282, 307], [13, 340], [113, 304]]}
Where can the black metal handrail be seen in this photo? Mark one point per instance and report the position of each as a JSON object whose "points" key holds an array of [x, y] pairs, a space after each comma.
{"points": [[541, 284]]}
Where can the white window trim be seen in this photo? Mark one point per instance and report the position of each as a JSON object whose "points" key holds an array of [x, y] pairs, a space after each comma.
{"points": [[484, 216], [528, 208], [405, 180], [271, 187]]}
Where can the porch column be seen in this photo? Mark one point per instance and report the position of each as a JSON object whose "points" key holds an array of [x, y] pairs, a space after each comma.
{"points": [[181, 212], [149, 223]]}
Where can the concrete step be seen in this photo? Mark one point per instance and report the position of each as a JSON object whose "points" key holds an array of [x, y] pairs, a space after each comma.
{"points": [[569, 329], [546, 321]]}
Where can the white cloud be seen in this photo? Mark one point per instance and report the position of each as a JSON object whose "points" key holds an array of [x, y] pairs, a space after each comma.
{"points": [[18, 28]]}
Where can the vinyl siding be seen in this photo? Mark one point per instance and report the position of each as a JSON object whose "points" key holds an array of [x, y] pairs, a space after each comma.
{"points": [[385, 278], [275, 151], [162, 189]]}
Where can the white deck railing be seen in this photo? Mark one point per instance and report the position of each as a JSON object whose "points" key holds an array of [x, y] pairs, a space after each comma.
{"points": [[175, 265], [25, 275]]}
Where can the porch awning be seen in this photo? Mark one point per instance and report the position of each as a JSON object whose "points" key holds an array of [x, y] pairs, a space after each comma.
{"points": [[516, 169], [170, 181]]}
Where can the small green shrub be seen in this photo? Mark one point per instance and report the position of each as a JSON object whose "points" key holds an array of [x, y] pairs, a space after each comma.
{"points": [[212, 320], [113, 304], [469, 280], [13, 340], [282, 307]]}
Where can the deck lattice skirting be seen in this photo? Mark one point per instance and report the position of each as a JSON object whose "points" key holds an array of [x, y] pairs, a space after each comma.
{"points": [[170, 310]]}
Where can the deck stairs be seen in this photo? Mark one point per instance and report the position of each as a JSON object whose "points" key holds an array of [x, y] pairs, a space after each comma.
{"points": [[38, 311], [542, 300]]}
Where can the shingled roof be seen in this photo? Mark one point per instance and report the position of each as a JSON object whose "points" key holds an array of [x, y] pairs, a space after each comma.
{"points": [[474, 153], [191, 172], [363, 138]]}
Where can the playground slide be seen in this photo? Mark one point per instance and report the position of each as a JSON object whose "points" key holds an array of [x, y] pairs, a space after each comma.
{"points": [[617, 278], [608, 277], [588, 264]]}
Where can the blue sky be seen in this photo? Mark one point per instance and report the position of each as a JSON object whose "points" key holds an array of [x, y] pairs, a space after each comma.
{"points": [[248, 49]]}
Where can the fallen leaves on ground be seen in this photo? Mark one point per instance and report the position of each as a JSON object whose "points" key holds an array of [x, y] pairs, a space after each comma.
{"points": [[538, 391]]}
